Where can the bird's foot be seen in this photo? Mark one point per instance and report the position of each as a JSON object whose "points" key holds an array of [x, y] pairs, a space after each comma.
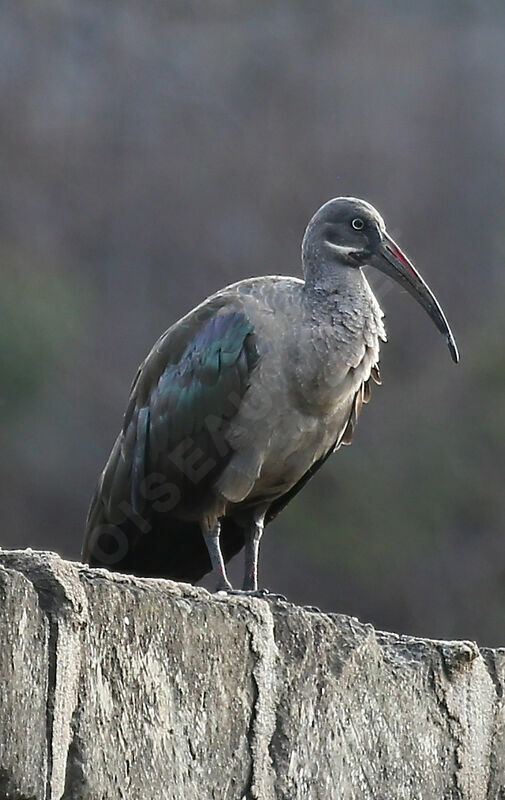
{"points": [[223, 587], [264, 594]]}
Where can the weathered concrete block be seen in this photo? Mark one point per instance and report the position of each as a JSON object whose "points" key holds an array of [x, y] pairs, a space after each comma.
{"points": [[167, 696], [24, 668], [116, 687]]}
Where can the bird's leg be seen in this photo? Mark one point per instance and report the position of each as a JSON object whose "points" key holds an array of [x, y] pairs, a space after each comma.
{"points": [[211, 534], [253, 534]]}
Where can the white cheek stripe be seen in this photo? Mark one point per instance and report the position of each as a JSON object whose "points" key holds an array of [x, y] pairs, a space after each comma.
{"points": [[340, 248]]}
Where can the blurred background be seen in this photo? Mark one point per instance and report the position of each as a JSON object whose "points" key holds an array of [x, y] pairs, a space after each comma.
{"points": [[151, 153]]}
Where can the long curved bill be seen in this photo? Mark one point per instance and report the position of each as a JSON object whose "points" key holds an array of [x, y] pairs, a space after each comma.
{"points": [[389, 259]]}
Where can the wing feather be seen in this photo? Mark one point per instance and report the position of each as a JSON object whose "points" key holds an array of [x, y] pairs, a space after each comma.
{"points": [[176, 392], [139, 460]]}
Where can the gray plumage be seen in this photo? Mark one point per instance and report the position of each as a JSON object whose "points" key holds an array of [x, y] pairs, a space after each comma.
{"points": [[242, 400]]}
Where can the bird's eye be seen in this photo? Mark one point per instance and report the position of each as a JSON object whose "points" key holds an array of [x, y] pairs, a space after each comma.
{"points": [[358, 224]]}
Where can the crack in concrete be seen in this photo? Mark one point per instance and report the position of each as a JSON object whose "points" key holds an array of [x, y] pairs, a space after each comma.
{"points": [[251, 730], [263, 712], [51, 699]]}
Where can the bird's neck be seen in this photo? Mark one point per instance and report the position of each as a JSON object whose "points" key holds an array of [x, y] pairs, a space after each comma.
{"points": [[341, 320], [327, 283]]}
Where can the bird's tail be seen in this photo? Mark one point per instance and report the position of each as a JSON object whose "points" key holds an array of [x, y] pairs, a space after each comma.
{"points": [[162, 547]]}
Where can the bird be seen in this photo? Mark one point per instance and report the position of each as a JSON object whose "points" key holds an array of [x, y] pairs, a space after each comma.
{"points": [[242, 401]]}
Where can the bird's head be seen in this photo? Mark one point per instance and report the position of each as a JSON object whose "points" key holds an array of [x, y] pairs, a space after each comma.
{"points": [[349, 232]]}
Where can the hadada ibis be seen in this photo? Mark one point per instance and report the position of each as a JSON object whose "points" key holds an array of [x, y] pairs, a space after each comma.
{"points": [[241, 401]]}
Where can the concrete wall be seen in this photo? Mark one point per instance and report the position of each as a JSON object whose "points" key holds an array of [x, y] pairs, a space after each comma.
{"points": [[114, 687]]}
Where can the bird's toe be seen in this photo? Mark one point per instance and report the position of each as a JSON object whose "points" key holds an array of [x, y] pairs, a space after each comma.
{"points": [[268, 595], [263, 594]]}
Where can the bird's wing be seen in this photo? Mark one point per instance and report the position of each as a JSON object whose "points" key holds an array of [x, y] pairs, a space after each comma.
{"points": [[183, 397], [345, 438]]}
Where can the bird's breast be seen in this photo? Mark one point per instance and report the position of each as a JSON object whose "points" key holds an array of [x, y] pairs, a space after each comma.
{"points": [[301, 395], [328, 368]]}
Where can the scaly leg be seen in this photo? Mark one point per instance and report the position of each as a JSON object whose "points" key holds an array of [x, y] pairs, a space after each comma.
{"points": [[211, 536], [253, 534]]}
